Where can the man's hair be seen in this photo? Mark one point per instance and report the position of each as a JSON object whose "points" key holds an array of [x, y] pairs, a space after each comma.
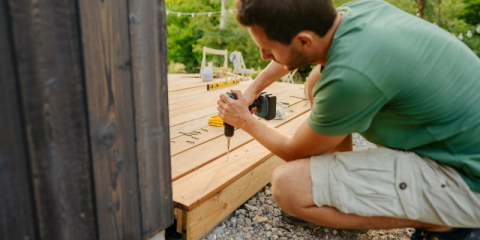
{"points": [[283, 19]]}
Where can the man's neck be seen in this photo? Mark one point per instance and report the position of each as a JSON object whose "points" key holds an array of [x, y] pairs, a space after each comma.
{"points": [[324, 43]]}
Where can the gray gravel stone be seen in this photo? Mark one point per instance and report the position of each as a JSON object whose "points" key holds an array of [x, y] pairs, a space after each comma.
{"points": [[240, 225]]}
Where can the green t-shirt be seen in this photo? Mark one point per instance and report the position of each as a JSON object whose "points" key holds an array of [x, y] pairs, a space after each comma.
{"points": [[403, 83]]}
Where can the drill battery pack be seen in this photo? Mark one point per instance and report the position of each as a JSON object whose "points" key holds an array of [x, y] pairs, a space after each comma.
{"points": [[266, 105]]}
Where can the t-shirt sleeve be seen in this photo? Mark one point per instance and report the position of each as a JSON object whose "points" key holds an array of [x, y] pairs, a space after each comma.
{"points": [[345, 101]]}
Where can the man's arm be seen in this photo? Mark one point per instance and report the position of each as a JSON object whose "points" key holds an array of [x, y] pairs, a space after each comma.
{"points": [[269, 75], [304, 143]]}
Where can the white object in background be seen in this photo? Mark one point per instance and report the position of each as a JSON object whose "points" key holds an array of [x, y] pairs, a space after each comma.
{"points": [[207, 74], [159, 236]]}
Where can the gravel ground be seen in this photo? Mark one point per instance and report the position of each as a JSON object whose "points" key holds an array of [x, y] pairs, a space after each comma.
{"points": [[260, 218]]}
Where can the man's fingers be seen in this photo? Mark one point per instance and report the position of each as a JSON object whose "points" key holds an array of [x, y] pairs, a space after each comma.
{"points": [[238, 93], [221, 103], [224, 97]]}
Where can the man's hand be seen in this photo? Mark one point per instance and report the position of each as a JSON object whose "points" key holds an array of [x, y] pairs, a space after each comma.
{"points": [[234, 112], [268, 76], [249, 96]]}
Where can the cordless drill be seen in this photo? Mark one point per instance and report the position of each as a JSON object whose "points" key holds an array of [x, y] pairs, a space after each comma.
{"points": [[266, 105]]}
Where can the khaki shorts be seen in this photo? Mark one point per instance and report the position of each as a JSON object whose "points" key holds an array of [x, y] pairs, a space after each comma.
{"points": [[386, 182]]}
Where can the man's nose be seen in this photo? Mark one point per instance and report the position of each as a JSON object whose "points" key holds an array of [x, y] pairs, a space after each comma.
{"points": [[266, 55]]}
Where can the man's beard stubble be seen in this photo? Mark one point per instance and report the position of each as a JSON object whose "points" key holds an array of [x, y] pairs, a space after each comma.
{"points": [[297, 60]]}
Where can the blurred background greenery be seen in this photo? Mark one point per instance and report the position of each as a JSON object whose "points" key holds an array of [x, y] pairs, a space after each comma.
{"points": [[192, 24]]}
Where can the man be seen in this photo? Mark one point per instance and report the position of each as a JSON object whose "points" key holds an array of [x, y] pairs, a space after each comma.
{"points": [[402, 83]]}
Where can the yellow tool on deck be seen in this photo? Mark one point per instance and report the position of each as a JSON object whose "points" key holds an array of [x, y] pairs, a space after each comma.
{"points": [[221, 84], [216, 121]]}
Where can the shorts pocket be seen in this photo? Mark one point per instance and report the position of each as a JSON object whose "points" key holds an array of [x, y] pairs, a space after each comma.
{"points": [[407, 185], [367, 182]]}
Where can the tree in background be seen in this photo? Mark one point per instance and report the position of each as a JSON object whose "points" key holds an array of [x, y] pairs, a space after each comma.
{"points": [[471, 13], [188, 34]]}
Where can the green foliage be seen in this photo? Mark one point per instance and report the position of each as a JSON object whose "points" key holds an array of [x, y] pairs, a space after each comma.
{"points": [[174, 67], [452, 16], [471, 13], [187, 35]]}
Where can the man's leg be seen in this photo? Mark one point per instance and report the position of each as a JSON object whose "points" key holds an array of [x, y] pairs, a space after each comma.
{"points": [[292, 190]]}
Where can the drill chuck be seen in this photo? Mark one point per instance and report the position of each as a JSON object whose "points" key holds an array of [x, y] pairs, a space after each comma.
{"points": [[229, 130]]}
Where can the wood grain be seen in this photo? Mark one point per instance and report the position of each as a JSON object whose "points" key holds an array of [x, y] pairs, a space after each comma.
{"points": [[200, 220], [17, 216], [149, 68], [196, 187], [180, 139], [47, 49], [106, 49], [188, 161]]}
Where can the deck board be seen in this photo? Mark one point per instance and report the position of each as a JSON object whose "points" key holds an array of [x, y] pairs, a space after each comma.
{"points": [[180, 139], [188, 161], [206, 185], [203, 183]]}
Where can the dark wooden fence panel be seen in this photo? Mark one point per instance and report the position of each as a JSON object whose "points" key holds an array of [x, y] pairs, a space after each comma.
{"points": [[16, 205], [149, 68], [108, 78], [84, 149], [47, 46]]}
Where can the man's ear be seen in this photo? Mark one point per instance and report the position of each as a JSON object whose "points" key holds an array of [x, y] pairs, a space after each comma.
{"points": [[304, 39]]}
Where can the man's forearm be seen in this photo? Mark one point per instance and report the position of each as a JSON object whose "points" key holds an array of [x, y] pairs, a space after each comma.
{"points": [[271, 138], [303, 143], [270, 74]]}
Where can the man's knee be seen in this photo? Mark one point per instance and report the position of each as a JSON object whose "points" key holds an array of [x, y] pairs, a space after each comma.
{"points": [[279, 179], [291, 185]]}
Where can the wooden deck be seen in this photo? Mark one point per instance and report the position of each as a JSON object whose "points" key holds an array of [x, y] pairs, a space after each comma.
{"points": [[206, 186]]}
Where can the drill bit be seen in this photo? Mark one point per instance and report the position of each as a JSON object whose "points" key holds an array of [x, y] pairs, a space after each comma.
{"points": [[228, 146]]}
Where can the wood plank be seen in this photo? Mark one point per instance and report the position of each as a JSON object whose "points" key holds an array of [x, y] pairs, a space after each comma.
{"points": [[48, 54], [203, 218], [196, 187], [173, 76], [188, 161], [182, 140], [17, 219], [197, 124], [105, 38], [195, 95], [179, 116], [208, 98], [201, 122], [149, 69], [182, 137], [187, 83], [202, 100], [179, 95], [189, 116]]}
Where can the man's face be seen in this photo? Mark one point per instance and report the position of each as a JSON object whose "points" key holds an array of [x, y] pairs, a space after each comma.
{"points": [[290, 56]]}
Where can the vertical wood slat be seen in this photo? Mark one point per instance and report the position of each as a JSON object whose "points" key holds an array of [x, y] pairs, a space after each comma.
{"points": [[107, 61], [17, 219], [149, 68], [49, 67]]}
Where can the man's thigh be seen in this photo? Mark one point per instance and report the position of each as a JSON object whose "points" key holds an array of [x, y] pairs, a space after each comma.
{"points": [[390, 183]]}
